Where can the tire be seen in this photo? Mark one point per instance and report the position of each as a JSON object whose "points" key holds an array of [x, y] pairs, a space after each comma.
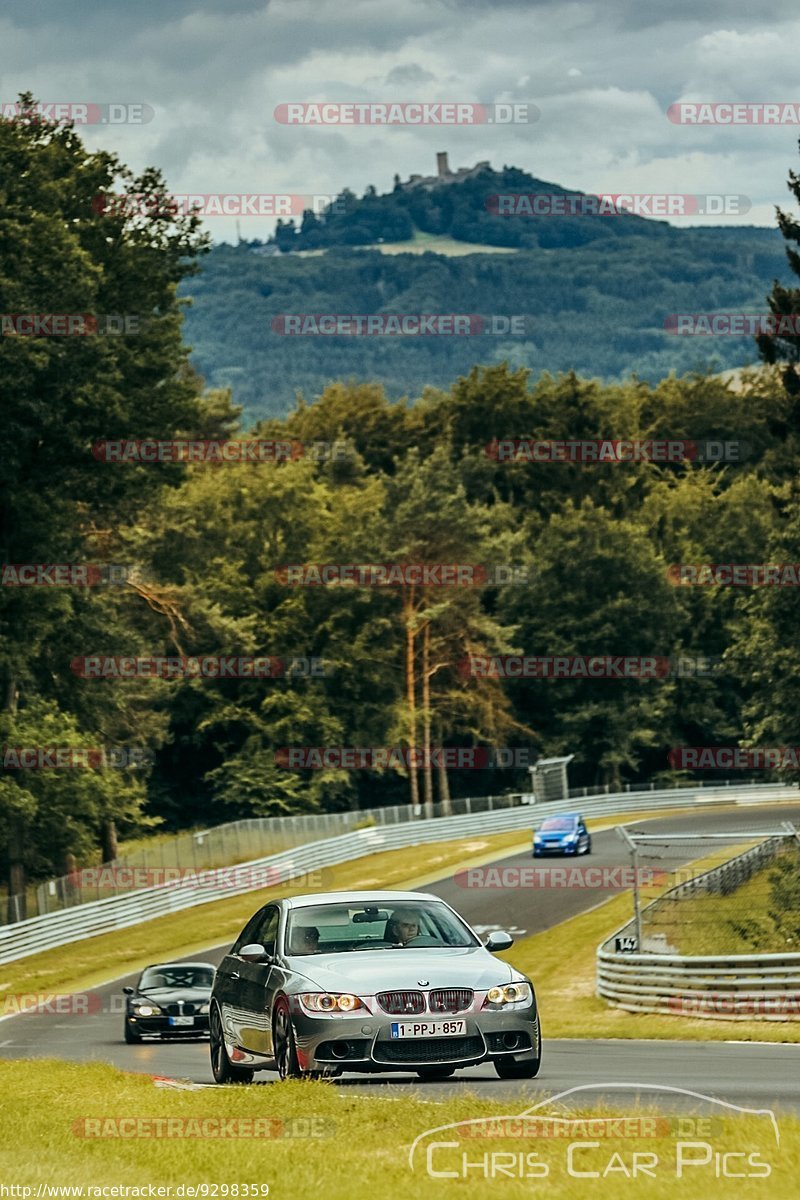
{"points": [[222, 1068], [132, 1039], [428, 1074], [526, 1069], [284, 1043]]}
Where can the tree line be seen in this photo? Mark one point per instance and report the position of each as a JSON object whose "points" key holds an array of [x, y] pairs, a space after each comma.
{"points": [[202, 549]]}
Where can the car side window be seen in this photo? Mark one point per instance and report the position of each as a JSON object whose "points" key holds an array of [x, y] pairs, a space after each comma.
{"points": [[266, 933], [247, 936]]}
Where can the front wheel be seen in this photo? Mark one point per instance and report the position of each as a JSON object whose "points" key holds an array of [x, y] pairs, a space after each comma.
{"points": [[222, 1068], [428, 1074], [284, 1043], [527, 1069]]}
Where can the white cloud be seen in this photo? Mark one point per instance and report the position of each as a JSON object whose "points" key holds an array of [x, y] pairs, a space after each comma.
{"points": [[602, 75]]}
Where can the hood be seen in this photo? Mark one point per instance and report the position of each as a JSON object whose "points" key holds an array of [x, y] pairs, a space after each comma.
{"points": [[173, 995], [369, 971]]}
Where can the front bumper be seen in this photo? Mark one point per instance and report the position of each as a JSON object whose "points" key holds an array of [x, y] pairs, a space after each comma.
{"points": [[540, 848], [160, 1026], [365, 1043]]}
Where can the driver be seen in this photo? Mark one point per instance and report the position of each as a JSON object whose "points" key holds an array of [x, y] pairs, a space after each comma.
{"points": [[403, 926], [306, 940]]}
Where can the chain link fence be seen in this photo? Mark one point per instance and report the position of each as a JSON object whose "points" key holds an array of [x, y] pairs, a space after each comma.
{"points": [[743, 904]]}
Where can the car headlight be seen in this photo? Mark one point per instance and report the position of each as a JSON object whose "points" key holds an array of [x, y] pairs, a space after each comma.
{"points": [[203, 1008], [509, 993], [331, 1002], [146, 1010]]}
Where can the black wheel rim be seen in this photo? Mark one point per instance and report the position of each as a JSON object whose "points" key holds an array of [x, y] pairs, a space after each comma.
{"points": [[282, 1042], [217, 1047]]}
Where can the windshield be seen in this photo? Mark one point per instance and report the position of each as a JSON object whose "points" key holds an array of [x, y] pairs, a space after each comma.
{"points": [[557, 824], [176, 977], [339, 928]]}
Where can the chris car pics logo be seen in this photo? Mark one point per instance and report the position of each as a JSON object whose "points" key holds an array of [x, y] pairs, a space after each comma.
{"points": [[732, 1143]]}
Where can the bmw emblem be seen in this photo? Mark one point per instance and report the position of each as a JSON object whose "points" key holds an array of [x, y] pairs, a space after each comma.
{"points": [[422, 982]]}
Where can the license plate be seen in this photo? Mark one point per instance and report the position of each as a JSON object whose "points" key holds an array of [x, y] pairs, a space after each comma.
{"points": [[416, 1029], [181, 1020]]}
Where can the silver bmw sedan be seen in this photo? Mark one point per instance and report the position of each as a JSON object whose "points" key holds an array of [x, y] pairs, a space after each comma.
{"points": [[369, 981]]}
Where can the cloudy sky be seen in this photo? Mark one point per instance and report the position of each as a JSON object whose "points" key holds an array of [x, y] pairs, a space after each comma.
{"points": [[602, 74]]}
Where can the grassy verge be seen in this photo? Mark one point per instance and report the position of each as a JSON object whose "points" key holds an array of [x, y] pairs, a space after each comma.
{"points": [[62, 1131]]}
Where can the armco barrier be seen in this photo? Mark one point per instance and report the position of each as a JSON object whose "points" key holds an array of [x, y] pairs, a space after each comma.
{"points": [[118, 912], [729, 987], [256, 837]]}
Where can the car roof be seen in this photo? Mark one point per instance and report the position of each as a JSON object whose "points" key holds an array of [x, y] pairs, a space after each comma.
{"points": [[357, 898]]}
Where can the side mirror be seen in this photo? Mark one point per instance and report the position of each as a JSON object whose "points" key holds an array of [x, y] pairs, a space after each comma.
{"points": [[128, 991], [253, 953], [499, 941]]}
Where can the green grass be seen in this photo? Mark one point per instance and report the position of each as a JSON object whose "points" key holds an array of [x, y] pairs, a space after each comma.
{"points": [[422, 243], [363, 1148], [437, 243]]}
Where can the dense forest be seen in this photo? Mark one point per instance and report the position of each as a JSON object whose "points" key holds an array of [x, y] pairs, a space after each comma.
{"points": [[201, 549], [601, 309]]}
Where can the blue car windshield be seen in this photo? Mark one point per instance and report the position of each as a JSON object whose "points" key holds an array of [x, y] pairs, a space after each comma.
{"points": [[557, 825], [341, 928]]}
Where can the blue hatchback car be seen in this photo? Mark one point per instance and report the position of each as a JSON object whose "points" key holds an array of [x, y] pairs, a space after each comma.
{"points": [[565, 833]]}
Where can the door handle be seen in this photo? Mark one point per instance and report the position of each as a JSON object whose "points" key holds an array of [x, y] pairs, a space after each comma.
{"points": [[234, 974]]}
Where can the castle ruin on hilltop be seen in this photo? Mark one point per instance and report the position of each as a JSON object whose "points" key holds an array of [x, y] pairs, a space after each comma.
{"points": [[443, 174]]}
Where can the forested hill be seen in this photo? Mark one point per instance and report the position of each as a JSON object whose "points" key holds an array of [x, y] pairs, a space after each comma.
{"points": [[596, 294], [468, 210]]}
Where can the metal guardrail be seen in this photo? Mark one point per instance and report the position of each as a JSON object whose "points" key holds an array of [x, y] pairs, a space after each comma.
{"points": [[738, 987], [118, 912], [256, 837]]}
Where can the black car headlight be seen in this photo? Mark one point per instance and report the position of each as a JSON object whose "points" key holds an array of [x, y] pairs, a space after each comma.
{"points": [[508, 993]]}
